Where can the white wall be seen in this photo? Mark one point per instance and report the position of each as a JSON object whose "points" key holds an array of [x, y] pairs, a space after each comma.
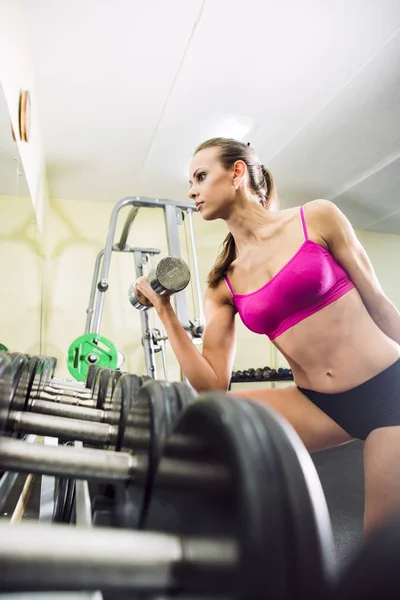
{"points": [[16, 73], [21, 276]]}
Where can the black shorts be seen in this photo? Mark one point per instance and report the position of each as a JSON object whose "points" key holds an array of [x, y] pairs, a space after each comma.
{"points": [[373, 404]]}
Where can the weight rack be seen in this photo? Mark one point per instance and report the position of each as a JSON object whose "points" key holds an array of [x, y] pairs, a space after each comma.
{"points": [[152, 339]]}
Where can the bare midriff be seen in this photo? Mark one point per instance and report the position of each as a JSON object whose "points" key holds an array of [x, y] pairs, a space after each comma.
{"points": [[338, 347]]}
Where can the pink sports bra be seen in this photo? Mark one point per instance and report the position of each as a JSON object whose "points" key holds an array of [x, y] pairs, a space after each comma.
{"points": [[311, 280]]}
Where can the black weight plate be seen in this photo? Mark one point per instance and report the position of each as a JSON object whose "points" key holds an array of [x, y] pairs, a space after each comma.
{"points": [[44, 373], [104, 400], [6, 389], [102, 386], [256, 515], [91, 376], [128, 499], [308, 528], [97, 381], [20, 366], [124, 399], [40, 376], [163, 402], [20, 381], [184, 393], [35, 362]]}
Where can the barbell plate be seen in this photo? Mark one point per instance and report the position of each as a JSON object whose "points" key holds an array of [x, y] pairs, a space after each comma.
{"points": [[260, 453], [84, 348], [5, 389]]}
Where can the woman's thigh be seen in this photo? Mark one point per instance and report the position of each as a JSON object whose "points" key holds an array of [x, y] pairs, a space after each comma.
{"points": [[382, 475], [314, 427]]}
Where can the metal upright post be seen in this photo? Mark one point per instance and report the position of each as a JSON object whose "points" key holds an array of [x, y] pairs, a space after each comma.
{"points": [[171, 214], [144, 318], [89, 310]]}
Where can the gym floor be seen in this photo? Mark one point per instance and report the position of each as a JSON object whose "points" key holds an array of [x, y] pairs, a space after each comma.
{"points": [[341, 472]]}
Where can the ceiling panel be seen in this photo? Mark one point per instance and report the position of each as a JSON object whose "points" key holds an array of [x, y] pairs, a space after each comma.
{"points": [[350, 136], [272, 69], [104, 71]]}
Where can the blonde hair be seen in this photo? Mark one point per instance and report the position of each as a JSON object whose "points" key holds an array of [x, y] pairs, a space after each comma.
{"points": [[261, 181]]}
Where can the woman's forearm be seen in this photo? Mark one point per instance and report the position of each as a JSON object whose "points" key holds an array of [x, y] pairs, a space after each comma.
{"points": [[196, 368], [388, 320]]}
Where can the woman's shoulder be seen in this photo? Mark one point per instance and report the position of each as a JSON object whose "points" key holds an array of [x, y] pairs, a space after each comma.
{"points": [[220, 293]]}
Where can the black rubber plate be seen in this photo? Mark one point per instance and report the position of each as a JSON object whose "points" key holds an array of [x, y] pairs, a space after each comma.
{"points": [[5, 389], [259, 454]]}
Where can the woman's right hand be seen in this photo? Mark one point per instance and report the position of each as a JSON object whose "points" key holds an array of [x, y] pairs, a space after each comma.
{"points": [[147, 296]]}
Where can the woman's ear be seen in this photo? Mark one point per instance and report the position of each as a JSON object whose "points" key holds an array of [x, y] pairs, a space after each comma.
{"points": [[239, 173]]}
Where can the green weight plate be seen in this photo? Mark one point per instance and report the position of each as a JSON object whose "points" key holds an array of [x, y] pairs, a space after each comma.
{"points": [[260, 510], [88, 349]]}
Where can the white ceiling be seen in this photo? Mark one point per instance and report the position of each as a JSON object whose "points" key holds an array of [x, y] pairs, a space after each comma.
{"points": [[126, 89]]}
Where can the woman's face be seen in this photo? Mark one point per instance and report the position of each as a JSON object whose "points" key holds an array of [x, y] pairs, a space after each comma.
{"points": [[211, 185]]}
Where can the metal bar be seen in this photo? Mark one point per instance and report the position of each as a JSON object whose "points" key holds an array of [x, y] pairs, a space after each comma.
{"points": [[108, 466], [162, 331], [8, 479], [128, 201], [145, 323], [47, 488], [66, 461], [196, 269], [72, 429], [89, 310], [71, 411], [127, 226], [174, 250], [39, 558], [83, 508], [103, 434]]}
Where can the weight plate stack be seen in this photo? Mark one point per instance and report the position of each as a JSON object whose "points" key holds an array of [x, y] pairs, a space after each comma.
{"points": [[261, 510]]}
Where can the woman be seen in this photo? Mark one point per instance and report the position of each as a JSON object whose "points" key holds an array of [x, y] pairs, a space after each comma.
{"points": [[301, 277]]}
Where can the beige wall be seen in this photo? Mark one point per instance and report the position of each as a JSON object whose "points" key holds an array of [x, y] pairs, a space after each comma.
{"points": [[77, 232], [21, 276]]}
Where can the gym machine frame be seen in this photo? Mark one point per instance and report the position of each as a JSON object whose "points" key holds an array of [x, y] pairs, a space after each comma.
{"points": [[173, 217]]}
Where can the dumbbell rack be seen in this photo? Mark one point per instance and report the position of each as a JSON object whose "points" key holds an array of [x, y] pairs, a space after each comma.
{"points": [[269, 375], [188, 512]]}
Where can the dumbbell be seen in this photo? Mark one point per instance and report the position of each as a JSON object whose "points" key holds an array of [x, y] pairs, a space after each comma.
{"points": [[126, 409], [45, 380], [99, 410], [23, 373], [266, 534], [133, 455], [171, 275]]}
